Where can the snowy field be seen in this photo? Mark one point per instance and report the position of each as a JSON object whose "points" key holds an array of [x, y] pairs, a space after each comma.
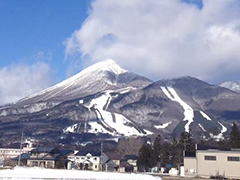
{"points": [[40, 173]]}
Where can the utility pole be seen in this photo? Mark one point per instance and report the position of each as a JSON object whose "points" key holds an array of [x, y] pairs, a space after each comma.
{"points": [[19, 157], [185, 146], [101, 160], [196, 148]]}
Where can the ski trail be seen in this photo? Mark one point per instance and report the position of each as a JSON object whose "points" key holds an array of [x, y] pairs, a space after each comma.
{"points": [[188, 111], [205, 115]]}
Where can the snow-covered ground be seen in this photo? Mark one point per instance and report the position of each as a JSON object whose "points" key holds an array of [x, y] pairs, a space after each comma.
{"points": [[163, 125], [220, 135], [40, 173]]}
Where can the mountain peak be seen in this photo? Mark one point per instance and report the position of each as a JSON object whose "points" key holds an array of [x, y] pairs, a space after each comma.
{"points": [[234, 86], [95, 78], [106, 65]]}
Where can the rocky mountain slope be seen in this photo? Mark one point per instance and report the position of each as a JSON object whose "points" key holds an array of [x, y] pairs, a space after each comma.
{"points": [[234, 86], [108, 100], [105, 75]]}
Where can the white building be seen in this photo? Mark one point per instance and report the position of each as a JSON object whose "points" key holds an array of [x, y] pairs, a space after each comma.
{"points": [[90, 160], [9, 153], [209, 161]]}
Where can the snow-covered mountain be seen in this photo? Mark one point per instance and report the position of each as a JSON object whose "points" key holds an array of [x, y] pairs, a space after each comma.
{"points": [[106, 99], [234, 86], [96, 78], [105, 75], [172, 106]]}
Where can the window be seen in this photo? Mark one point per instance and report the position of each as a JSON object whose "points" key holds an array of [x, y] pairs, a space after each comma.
{"points": [[210, 158], [50, 164], [34, 163], [232, 158]]}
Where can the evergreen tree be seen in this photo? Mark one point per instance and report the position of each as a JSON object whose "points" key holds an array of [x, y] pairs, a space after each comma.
{"points": [[235, 137], [223, 143], [187, 141], [144, 156], [176, 151], [156, 151], [166, 154]]}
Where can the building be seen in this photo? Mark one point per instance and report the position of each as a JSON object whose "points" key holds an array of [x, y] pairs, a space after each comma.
{"points": [[90, 160], [116, 158], [47, 157], [86, 160], [132, 160], [212, 162], [9, 153], [10, 156], [20, 160]]}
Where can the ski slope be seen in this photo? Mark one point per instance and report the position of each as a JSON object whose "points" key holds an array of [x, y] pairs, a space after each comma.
{"points": [[108, 122], [188, 111]]}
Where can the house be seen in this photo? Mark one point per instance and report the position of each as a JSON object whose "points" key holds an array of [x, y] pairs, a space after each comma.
{"points": [[90, 160], [48, 157], [132, 160], [129, 163], [212, 162], [125, 166], [116, 158]]}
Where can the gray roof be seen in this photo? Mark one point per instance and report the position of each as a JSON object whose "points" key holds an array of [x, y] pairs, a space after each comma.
{"points": [[84, 153], [45, 150]]}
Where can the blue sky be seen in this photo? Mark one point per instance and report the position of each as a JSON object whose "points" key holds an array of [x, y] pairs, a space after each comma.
{"points": [[44, 42], [35, 30], [32, 47]]}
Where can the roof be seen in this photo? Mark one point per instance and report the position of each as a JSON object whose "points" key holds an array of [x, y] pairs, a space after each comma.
{"points": [[125, 164], [47, 157], [206, 147], [114, 156], [84, 153], [65, 151], [132, 157], [45, 150], [23, 156]]}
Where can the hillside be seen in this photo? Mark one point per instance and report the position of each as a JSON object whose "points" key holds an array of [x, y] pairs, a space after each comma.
{"points": [[108, 101]]}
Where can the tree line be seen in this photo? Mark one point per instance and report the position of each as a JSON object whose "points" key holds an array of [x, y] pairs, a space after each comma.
{"points": [[167, 154]]}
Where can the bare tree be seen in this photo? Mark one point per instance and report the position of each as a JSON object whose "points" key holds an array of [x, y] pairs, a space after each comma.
{"points": [[130, 145]]}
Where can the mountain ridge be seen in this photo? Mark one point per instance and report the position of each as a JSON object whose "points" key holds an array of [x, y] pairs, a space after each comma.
{"points": [[119, 103], [105, 75]]}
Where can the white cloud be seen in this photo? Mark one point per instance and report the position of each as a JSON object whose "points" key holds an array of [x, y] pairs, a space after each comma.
{"points": [[162, 39], [19, 80]]}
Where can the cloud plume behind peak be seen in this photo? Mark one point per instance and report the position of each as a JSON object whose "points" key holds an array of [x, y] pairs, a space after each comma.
{"points": [[162, 39]]}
